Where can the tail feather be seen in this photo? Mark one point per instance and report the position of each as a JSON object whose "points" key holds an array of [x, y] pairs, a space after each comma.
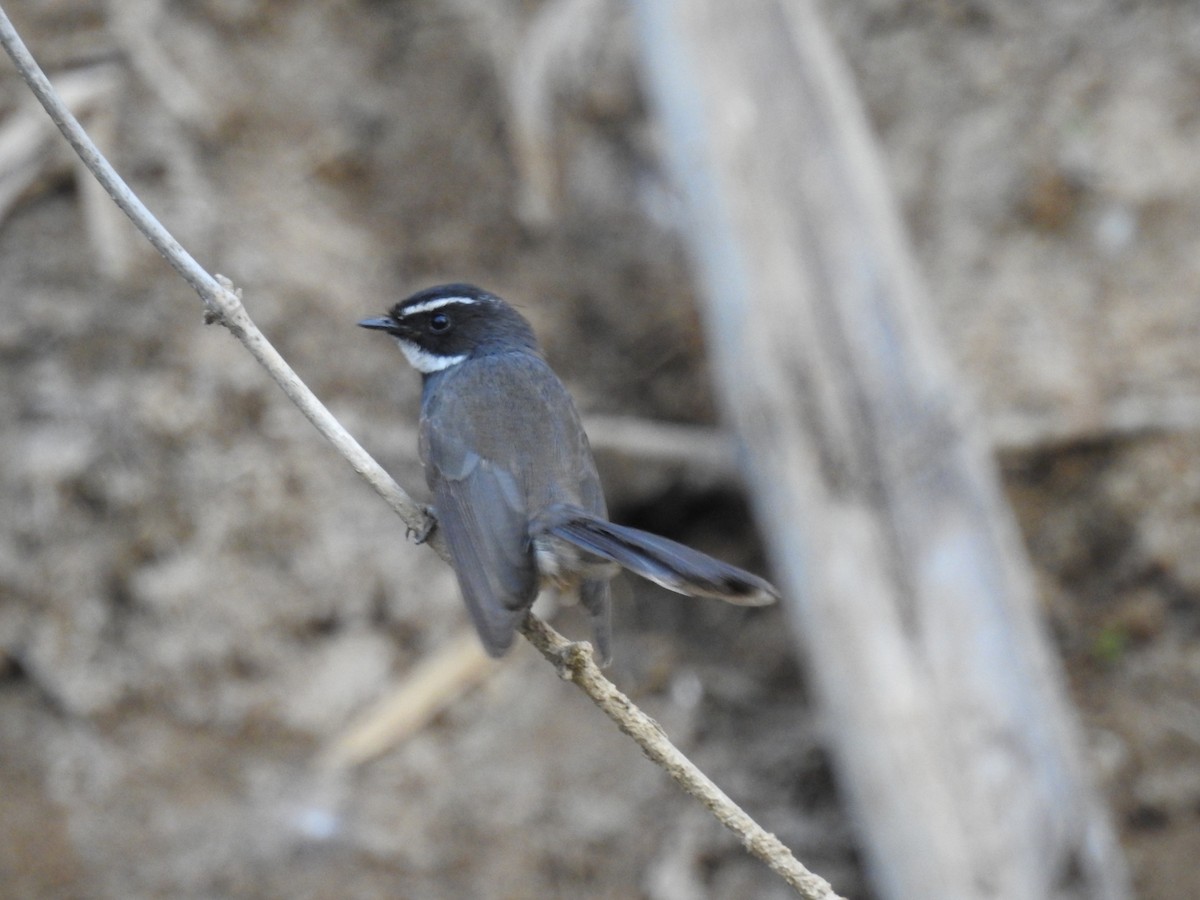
{"points": [[659, 559]]}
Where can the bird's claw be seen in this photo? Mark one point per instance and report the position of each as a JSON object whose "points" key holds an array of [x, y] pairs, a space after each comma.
{"points": [[421, 535]]}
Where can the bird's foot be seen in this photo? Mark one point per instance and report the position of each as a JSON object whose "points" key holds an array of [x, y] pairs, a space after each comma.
{"points": [[421, 535]]}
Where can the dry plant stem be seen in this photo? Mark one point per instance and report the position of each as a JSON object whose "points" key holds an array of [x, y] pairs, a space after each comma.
{"points": [[574, 661], [431, 686], [223, 302]]}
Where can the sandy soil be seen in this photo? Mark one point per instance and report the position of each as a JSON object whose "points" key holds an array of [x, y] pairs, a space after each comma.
{"points": [[197, 596]]}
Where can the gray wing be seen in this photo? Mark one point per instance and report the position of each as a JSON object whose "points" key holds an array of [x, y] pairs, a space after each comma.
{"points": [[484, 521], [493, 464], [476, 469]]}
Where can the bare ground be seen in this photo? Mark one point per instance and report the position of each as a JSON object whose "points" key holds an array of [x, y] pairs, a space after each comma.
{"points": [[196, 595]]}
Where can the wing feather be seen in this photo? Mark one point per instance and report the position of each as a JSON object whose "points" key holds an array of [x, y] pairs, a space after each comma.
{"points": [[486, 534], [492, 466]]}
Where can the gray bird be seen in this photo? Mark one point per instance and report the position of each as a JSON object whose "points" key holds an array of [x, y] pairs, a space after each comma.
{"points": [[514, 483]]}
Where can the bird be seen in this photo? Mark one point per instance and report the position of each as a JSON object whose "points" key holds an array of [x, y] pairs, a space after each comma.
{"points": [[515, 489]]}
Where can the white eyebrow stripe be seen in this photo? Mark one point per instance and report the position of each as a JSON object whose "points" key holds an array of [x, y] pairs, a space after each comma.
{"points": [[431, 305]]}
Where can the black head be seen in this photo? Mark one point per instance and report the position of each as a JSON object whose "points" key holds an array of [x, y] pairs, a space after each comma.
{"points": [[444, 325]]}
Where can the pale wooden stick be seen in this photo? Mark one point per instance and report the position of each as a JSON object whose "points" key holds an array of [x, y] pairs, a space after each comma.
{"points": [[902, 566], [223, 302], [429, 688]]}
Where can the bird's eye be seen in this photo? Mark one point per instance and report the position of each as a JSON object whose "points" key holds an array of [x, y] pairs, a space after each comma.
{"points": [[439, 323]]}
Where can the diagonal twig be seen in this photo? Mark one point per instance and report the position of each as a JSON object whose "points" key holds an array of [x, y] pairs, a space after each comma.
{"points": [[222, 301], [575, 663], [224, 305]]}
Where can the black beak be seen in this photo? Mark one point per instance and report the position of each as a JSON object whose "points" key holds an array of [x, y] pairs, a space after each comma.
{"points": [[380, 323]]}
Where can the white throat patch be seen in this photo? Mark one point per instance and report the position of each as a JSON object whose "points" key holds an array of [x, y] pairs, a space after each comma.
{"points": [[425, 362]]}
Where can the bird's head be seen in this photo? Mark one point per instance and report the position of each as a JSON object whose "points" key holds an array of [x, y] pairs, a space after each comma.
{"points": [[445, 325]]}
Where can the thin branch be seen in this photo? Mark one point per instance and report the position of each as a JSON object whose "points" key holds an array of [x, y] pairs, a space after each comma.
{"points": [[574, 661], [223, 302]]}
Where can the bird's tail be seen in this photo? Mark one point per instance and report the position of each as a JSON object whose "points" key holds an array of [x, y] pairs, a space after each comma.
{"points": [[663, 561]]}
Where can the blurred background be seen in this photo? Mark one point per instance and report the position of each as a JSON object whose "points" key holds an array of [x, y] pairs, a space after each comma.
{"points": [[197, 595]]}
